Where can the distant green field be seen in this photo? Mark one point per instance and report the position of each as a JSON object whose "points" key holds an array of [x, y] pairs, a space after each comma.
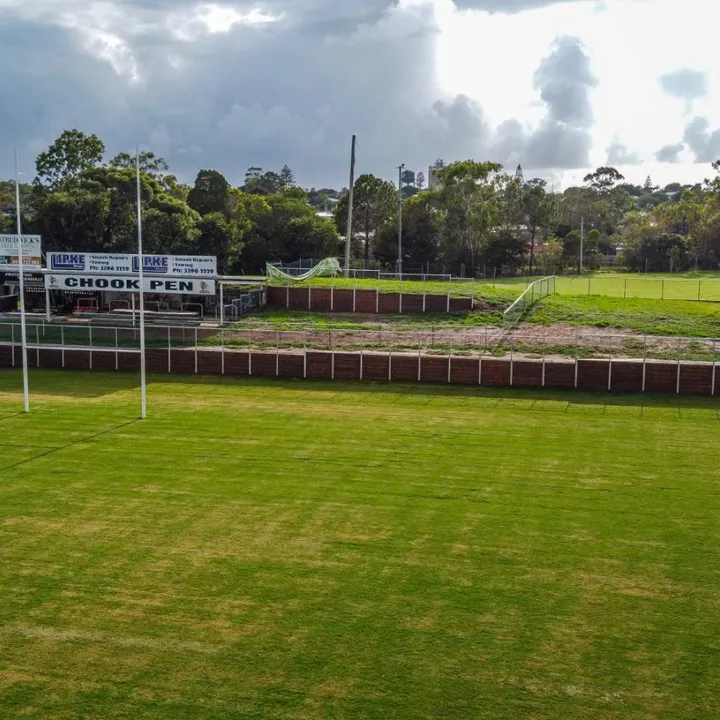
{"points": [[261, 549], [504, 291], [672, 317]]}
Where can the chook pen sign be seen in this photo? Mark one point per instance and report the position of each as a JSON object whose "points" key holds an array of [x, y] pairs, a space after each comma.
{"points": [[162, 274], [31, 250]]}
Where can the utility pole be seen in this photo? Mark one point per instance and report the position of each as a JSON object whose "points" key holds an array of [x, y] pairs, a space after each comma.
{"points": [[400, 218], [351, 192], [582, 242]]}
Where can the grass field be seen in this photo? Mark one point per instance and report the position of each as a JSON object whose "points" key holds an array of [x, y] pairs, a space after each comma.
{"points": [[681, 318], [689, 286], [300, 550]]}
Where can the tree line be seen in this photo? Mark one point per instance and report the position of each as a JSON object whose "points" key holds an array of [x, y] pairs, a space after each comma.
{"points": [[475, 216]]}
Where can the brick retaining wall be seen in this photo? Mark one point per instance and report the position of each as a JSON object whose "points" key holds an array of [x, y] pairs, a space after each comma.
{"points": [[587, 374], [369, 302]]}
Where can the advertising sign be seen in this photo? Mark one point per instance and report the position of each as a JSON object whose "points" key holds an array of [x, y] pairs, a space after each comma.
{"points": [[167, 265], [32, 255], [119, 283]]}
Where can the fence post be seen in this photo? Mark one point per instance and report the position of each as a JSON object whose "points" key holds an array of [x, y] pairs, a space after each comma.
{"points": [[277, 354], [169, 338], [625, 291], [610, 371], [512, 363], [577, 350], [222, 351], [355, 293], [448, 300], [589, 281], [89, 342], [332, 295], [249, 353], [714, 368], [361, 363], [677, 389], [117, 357], [699, 283], [479, 366], [12, 344], [644, 365], [400, 301], [222, 303], [309, 297], [390, 366], [662, 289], [419, 361], [332, 354], [287, 294], [304, 361], [449, 368], [62, 343], [196, 352], [543, 368], [377, 299]]}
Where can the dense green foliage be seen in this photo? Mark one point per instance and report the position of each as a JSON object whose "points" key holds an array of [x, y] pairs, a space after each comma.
{"points": [[261, 549], [476, 219], [79, 203]]}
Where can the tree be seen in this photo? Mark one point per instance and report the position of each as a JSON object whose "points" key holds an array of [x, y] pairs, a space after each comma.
{"points": [[420, 180], [71, 154], [604, 179], [222, 236], [375, 202], [287, 178], [503, 248], [468, 194], [421, 233], [150, 163], [268, 183], [211, 193], [539, 209]]}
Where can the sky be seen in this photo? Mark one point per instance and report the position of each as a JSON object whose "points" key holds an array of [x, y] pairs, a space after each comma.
{"points": [[559, 87]]}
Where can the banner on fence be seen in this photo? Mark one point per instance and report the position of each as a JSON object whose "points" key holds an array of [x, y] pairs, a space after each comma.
{"points": [[168, 265], [31, 250], [118, 283]]}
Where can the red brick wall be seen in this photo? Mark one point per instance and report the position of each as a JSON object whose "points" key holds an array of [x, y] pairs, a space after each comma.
{"points": [[624, 375], [366, 301]]}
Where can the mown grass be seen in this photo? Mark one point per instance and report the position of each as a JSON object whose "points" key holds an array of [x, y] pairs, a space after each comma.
{"points": [[500, 294], [317, 550], [676, 286], [670, 317]]}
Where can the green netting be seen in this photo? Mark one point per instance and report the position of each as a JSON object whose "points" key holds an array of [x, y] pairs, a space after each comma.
{"points": [[329, 267]]}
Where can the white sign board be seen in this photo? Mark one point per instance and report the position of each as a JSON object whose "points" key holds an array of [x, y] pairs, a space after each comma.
{"points": [[112, 264], [31, 250], [119, 283]]}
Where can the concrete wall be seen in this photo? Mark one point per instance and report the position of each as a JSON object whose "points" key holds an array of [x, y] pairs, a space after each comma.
{"points": [[599, 375], [363, 301]]}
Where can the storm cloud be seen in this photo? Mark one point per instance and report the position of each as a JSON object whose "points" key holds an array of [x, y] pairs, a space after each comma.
{"points": [[230, 85]]}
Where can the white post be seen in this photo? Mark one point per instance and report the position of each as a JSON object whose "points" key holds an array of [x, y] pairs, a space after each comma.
{"points": [[222, 351], [419, 362], [277, 354], [117, 357], [169, 350], [222, 304], [47, 305], [582, 246], [677, 389], [21, 274], [712, 392], [141, 276], [132, 304], [644, 377], [351, 190]]}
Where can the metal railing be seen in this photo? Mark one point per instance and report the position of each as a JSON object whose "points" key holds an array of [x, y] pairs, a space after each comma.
{"points": [[536, 291]]}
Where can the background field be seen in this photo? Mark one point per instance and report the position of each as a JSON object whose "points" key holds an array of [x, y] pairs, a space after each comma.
{"points": [[303, 550], [690, 286]]}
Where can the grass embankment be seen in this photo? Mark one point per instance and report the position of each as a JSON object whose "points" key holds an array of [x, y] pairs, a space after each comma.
{"points": [[670, 317], [286, 550], [501, 295]]}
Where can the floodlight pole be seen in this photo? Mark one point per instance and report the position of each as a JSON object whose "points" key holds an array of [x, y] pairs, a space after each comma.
{"points": [[582, 242], [21, 275], [400, 218], [143, 381], [351, 193]]}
